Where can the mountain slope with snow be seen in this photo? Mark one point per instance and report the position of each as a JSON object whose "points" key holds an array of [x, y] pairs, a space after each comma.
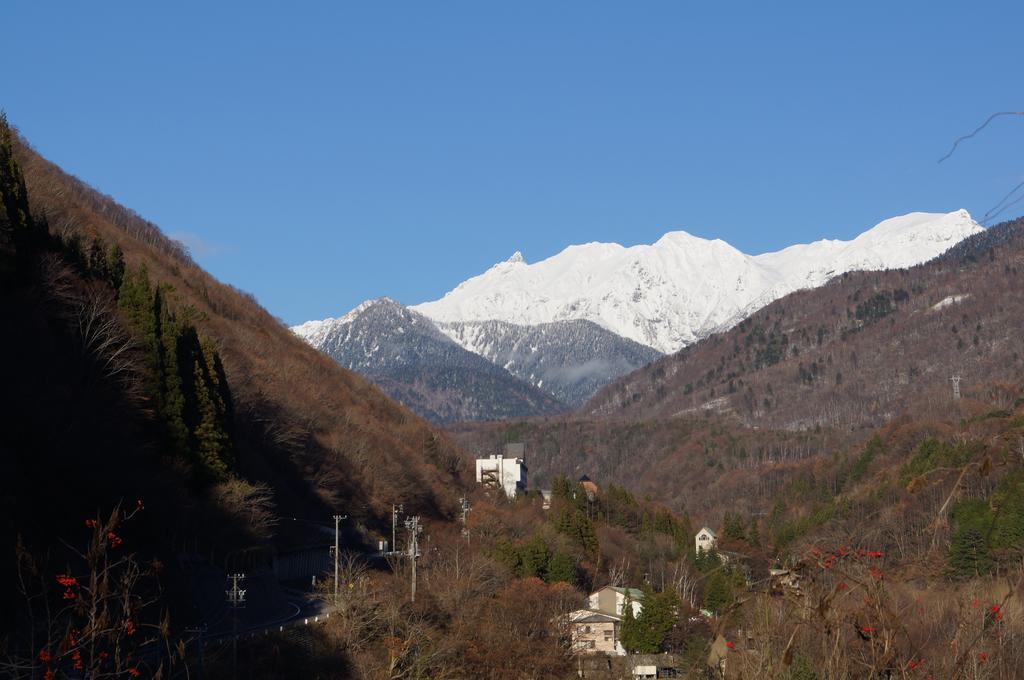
{"points": [[668, 294], [570, 359], [410, 359]]}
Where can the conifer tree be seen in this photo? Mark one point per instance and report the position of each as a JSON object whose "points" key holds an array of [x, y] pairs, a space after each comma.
{"points": [[13, 194], [561, 488], [115, 267], [754, 537], [969, 554], [733, 527], [630, 631], [171, 397], [562, 567], [717, 592], [97, 262], [533, 558], [646, 633]]}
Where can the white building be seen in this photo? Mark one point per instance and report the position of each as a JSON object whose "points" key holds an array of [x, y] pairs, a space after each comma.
{"points": [[504, 471], [706, 540]]}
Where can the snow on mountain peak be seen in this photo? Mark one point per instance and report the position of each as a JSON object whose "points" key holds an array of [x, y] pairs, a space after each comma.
{"points": [[683, 287]]}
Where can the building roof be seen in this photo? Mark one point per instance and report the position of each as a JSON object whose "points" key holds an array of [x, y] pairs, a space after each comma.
{"points": [[592, 616], [634, 593], [712, 533]]}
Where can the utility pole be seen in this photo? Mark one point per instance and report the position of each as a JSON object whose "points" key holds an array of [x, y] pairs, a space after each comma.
{"points": [[412, 525], [396, 510], [956, 386], [464, 503], [236, 598], [337, 546], [200, 631]]}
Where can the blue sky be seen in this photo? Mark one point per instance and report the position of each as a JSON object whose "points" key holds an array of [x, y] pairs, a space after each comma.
{"points": [[319, 154]]}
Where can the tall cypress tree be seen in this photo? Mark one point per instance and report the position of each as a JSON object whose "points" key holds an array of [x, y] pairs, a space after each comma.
{"points": [[630, 632], [211, 440], [13, 193], [115, 267]]}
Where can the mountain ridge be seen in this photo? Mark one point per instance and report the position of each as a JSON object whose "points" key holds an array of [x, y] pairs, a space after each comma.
{"points": [[681, 288], [423, 368]]}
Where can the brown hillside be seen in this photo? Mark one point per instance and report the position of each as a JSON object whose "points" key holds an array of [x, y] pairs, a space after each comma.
{"points": [[322, 435]]}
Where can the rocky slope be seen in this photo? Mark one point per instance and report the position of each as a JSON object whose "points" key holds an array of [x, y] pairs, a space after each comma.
{"points": [[415, 363], [570, 359]]}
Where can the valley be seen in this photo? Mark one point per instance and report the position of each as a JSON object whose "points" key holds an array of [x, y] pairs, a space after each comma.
{"points": [[785, 443]]}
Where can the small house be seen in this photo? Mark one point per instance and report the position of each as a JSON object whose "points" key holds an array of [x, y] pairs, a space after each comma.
{"points": [[706, 540], [596, 630], [595, 633]]}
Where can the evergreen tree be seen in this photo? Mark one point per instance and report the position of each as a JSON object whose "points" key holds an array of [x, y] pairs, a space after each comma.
{"points": [[561, 488], [969, 554], [533, 558], [578, 527], [630, 631], [507, 554], [659, 617], [185, 376], [562, 567], [13, 194], [170, 395], [97, 262], [733, 527], [212, 441], [209, 418], [754, 537], [115, 267], [646, 633], [717, 592]]}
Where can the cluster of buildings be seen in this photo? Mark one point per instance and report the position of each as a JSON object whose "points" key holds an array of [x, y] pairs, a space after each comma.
{"points": [[595, 631]]}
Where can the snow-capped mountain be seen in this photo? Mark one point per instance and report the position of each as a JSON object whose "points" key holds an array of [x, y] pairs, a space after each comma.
{"points": [[681, 288], [570, 359], [410, 359]]}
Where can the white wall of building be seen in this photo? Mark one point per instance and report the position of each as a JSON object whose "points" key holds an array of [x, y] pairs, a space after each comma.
{"points": [[705, 540], [510, 473]]}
